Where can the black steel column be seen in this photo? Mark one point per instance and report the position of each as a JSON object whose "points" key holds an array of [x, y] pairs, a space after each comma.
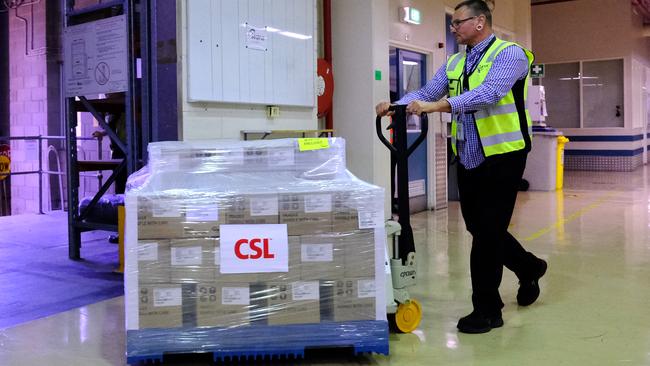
{"points": [[164, 72]]}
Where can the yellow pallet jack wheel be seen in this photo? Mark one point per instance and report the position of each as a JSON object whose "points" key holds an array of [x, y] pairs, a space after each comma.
{"points": [[407, 317]]}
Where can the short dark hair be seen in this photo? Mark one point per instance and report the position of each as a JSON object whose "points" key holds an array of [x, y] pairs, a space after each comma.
{"points": [[478, 7]]}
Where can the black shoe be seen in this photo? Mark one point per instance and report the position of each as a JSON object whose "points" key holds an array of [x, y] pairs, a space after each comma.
{"points": [[529, 289], [114, 239], [476, 323]]}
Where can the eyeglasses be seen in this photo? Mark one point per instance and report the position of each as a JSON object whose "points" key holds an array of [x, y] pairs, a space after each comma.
{"points": [[458, 22]]}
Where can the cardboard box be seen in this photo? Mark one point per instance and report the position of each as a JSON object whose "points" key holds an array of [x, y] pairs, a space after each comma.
{"points": [[229, 277], [160, 306], [202, 217], [154, 261], [359, 249], [252, 209], [354, 299], [295, 265], [223, 304], [159, 218], [345, 215], [170, 218], [322, 257], [292, 302], [306, 213], [192, 260]]}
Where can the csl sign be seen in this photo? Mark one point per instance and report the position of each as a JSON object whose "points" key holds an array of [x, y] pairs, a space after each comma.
{"points": [[259, 248], [254, 248], [5, 161]]}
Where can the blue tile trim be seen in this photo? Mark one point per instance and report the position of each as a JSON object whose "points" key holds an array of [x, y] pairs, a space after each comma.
{"points": [[611, 138], [603, 152]]}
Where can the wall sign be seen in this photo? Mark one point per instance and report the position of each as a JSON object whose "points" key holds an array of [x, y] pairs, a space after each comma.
{"points": [[95, 57]]}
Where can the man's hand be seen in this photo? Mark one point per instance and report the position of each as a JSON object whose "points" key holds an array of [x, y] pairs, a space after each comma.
{"points": [[99, 134], [418, 107], [382, 109]]}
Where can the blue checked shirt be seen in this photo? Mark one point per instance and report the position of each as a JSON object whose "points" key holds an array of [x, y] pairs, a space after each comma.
{"points": [[510, 65]]}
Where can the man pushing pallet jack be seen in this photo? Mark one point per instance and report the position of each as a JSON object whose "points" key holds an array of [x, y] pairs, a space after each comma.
{"points": [[404, 313]]}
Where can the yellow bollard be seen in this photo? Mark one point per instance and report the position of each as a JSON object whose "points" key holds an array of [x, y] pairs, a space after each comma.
{"points": [[559, 176], [120, 233]]}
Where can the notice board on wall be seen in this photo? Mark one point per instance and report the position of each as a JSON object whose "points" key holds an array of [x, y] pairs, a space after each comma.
{"points": [[251, 51]]}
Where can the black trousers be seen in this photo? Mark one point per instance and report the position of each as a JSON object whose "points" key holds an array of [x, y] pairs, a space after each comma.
{"points": [[487, 200]]}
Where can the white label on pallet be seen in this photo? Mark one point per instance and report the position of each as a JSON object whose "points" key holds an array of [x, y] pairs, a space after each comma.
{"points": [[315, 203], [264, 206], [147, 251], [166, 209], [235, 296], [281, 157], [317, 252], [187, 256], [202, 213], [366, 288], [305, 290], [370, 219], [234, 156], [217, 256], [167, 296]]}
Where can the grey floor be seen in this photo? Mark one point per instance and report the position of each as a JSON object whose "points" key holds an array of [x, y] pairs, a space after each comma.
{"points": [[36, 277], [594, 308]]}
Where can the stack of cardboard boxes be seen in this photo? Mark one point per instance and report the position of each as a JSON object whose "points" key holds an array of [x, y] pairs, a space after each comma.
{"points": [[173, 239]]}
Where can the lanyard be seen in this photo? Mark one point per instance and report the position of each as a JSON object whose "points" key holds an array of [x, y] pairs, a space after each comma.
{"points": [[466, 74]]}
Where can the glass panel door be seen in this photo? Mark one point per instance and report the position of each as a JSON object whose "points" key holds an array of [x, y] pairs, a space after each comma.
{"points": [[408, 73]]}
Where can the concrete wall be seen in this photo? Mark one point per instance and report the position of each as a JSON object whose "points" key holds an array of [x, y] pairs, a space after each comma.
{"points": [[360, 47], [580, 32], [33, 95], [4, 76], [618, 35]]}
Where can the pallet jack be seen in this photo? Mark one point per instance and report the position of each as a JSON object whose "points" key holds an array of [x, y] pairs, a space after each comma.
{"points": [[404, 313]]}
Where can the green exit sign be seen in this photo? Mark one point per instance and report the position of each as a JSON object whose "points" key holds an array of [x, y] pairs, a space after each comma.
{"points": [[537, 70], [410, 15]]}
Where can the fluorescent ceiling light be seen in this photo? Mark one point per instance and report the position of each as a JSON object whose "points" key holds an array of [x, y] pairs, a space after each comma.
{"points": [[294, 35], [410, 63], [580, 77], [280, 31]]}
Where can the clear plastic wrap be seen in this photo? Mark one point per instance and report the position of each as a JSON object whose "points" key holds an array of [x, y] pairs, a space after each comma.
{"points": [[253, 247]]}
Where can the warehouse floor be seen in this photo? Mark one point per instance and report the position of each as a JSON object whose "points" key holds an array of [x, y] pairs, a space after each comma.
{"points": [[593, 309]]}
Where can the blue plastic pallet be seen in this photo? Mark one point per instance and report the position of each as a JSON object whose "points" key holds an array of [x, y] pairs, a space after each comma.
{"points": [[257, 342]]}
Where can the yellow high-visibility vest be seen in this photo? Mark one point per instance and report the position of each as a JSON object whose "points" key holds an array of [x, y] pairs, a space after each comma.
{"points": [[504, 127]]}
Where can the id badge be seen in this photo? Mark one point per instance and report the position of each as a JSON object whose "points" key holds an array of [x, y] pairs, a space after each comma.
{"points": [[460, 131]]}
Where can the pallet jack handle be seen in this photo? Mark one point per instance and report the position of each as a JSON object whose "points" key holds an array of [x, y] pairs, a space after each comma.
{"points": [[401, 109], [401, 151]]}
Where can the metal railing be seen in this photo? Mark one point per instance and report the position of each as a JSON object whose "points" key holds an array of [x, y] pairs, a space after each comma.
{"points": [[42, 171]]}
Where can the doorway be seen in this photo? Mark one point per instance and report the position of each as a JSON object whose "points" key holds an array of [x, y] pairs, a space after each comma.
{"points": [[408, 73]]}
